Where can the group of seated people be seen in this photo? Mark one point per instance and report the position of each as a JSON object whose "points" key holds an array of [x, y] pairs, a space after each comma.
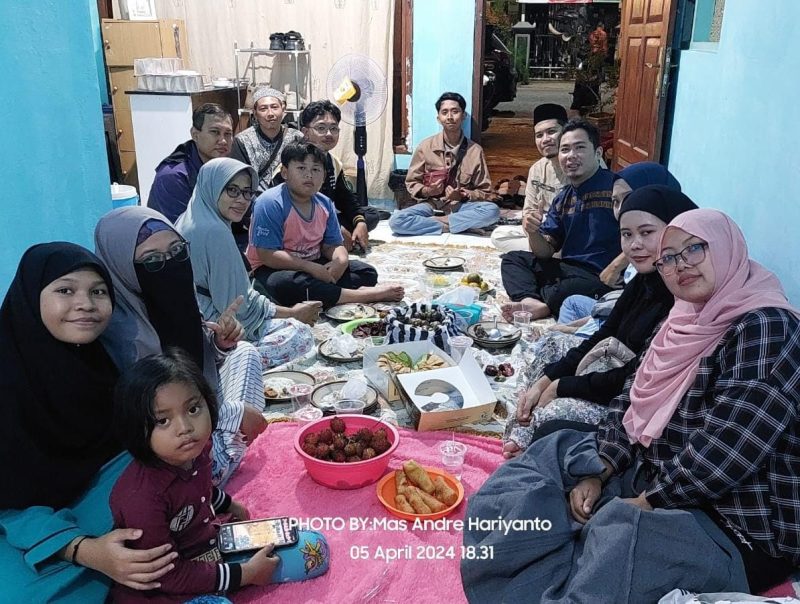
{"points": [[661, 449]]}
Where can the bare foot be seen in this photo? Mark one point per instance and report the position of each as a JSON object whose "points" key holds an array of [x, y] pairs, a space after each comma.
{"points": [[443, 220], [537, 308], [378, 293], [511, 449]]}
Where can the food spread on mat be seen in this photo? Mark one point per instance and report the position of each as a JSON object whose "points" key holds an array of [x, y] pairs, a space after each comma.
{"points": [[401, 362], [332, 444], [417, 493], [277, 387], [366, 330], [424, 319], [476, 281]]}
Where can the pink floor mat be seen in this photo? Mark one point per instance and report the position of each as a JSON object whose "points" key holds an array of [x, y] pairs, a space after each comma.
{"points": [[272, 481]]}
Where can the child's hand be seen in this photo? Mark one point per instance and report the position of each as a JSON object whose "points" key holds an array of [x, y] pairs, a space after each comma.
{"points": [[322, 273], [239, 511], [253, 424], [258, 569]]}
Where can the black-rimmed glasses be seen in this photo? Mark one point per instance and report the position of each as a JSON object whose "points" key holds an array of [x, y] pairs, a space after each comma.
{"points": [[155, 261], [321, 129], [234, 191], [692, 255]]}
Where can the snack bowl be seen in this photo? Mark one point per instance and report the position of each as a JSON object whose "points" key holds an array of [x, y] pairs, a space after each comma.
{"points": [[387, 490], [349, 475]]}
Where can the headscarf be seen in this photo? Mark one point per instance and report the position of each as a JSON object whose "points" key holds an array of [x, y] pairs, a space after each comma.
{"points": [[141, 324], [692, 331], [662, 201], [55, 415], [216, 262], [648, 173]]}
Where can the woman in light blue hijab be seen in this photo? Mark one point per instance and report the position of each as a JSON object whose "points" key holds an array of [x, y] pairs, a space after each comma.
{"points": [[223, 193]]}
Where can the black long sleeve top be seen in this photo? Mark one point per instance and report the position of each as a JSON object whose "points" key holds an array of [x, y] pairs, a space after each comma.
{"points": [[644, 303]]}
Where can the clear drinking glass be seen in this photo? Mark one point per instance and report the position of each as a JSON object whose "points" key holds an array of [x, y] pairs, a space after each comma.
{"points": [[522, 321], [458, 346], [301, 396], [453, 454]]}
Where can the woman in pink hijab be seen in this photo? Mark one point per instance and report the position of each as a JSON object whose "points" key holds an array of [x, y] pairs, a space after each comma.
{"points": [[697, 481], [713, 409]]}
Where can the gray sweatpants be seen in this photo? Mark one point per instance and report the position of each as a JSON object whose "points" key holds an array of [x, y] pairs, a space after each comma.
{"points": [[622, 555]]}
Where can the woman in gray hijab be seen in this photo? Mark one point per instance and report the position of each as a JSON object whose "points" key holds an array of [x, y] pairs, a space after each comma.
{"points": [[223, 193], [156, 308]]}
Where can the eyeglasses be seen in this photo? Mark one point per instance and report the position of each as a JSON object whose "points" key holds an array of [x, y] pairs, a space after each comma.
{"points": [[321, 129], [692, 255], [154, 262], [233, 192]]}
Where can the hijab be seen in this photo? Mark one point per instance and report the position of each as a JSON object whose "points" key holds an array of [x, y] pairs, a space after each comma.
{"points": [[646, 299], [693, 331], [154, 310], [648, 173], [56, 411], [216, 262]]}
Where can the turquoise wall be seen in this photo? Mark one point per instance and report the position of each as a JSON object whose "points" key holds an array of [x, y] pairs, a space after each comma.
{"points": [[443, 41], [736, 131], [53, 165]]}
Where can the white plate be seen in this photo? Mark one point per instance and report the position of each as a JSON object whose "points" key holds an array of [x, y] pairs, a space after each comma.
{"points": [[349, 312], [444, 263], [280, 381]]}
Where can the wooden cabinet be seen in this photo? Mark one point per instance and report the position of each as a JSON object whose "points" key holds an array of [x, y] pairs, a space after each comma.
{"points": [[124, 41]]}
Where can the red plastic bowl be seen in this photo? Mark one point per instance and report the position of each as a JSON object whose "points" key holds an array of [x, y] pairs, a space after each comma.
{"points": [[352, 475]]}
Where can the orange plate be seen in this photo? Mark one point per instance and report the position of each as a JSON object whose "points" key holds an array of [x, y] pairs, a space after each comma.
{"points": [[387, 491]]}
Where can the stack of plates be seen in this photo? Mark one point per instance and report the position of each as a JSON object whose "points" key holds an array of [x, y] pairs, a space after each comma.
{"points": [[509, 334], [320, 397]]}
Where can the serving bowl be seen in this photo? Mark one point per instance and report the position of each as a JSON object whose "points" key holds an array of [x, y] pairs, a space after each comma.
{"points": [[348, 475]]}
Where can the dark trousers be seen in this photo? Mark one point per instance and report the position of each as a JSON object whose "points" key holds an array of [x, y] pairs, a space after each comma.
{"points": [[551, 280], [371, 217], [287, 288]]}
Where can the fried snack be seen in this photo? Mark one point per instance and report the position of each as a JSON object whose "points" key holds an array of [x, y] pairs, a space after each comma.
{"points": [[400, 481], [429, 500], [270, 392], [443, 492], [417, 475], [430, 361], [420, 507], [401, 503]]}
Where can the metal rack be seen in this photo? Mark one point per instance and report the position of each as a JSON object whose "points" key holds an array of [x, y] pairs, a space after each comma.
{"points": [[292, 55]]}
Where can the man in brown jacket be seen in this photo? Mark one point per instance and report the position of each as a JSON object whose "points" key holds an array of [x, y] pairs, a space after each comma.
{"points": [[449, 177]]}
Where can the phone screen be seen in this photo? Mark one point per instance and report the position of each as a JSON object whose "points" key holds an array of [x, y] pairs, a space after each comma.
{"points": [[242, 536]]}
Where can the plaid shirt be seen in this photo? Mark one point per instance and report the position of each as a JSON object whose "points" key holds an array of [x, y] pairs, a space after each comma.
{"points": [[734, 442]]}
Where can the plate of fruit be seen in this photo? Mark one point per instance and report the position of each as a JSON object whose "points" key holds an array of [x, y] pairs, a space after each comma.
{"points": [[474, 280]]}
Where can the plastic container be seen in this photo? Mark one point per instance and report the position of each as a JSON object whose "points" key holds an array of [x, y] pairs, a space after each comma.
{"points": [[353, 475], [349, 406], [123, 195]]}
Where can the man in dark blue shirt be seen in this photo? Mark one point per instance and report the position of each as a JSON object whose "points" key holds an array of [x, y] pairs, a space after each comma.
{"points": [[580, 224]]}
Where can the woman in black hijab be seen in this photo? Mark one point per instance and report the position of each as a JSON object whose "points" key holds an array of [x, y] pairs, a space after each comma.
{"points": [[582, 386], [59, 457]]}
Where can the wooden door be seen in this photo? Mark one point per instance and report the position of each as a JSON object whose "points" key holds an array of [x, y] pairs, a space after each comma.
{"points": [[125, 41], [645, 38]]}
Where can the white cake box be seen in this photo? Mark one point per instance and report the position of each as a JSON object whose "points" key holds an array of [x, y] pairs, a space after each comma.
{"points": [[432, 410]]}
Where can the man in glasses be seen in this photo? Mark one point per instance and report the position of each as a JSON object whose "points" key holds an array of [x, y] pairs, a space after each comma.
{"points": [[319, 124], [211, 136]]}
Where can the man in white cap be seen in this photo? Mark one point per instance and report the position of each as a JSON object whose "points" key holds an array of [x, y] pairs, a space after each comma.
{"points": [[261, 145]]}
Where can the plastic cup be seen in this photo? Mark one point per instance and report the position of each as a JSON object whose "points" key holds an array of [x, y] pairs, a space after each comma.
{"points": [[458, 346], [301, 396], [348, 406], [522, 321], [453, 454], [307, 414]]}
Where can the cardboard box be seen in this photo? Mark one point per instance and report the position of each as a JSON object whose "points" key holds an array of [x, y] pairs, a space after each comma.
{"points": [[478, 397]]}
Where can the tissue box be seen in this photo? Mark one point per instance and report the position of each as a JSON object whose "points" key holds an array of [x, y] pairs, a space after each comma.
{"points": [[434, 411]]}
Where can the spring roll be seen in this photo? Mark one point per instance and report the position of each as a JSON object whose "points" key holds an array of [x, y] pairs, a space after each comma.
{"points": [[400, 481], [430, 500], [443, 492], [401, 503], [416, 501], [418, 476]]}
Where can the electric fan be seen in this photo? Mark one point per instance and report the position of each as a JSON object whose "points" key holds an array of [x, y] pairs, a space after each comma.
{"points": [[358, 86]]}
